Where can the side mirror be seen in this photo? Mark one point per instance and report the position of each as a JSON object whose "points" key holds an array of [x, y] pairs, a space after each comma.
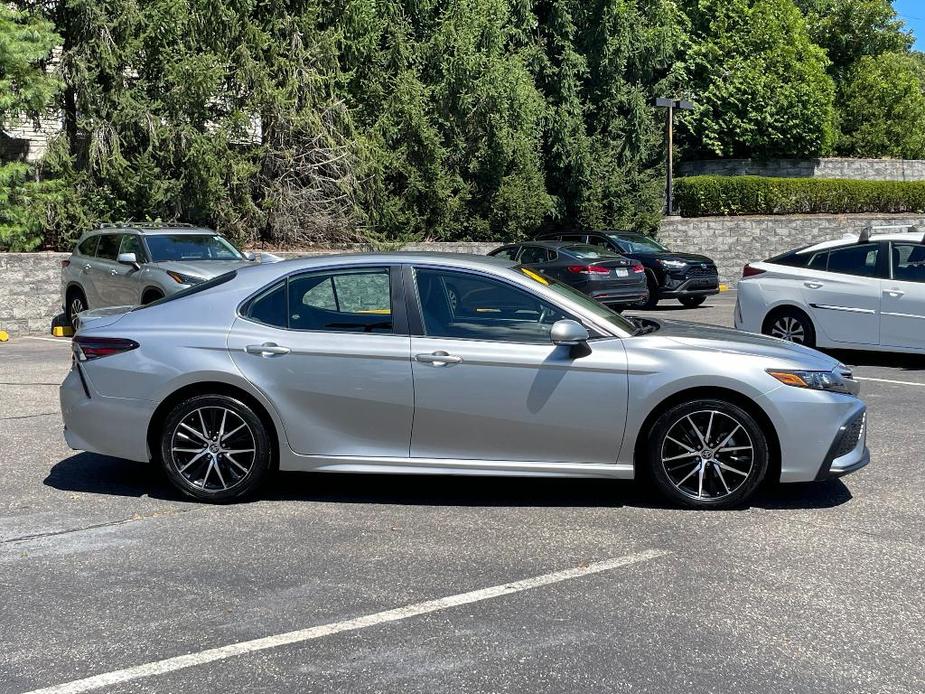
{"points": [[569, 333], [249, 255], [128, 259]]}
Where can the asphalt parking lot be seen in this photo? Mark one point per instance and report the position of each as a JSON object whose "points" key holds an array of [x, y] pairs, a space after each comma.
{"points": [[582, 585]]}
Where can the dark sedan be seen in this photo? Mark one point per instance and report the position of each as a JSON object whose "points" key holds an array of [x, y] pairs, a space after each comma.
{"points": [[687, 277], [605, 276]]}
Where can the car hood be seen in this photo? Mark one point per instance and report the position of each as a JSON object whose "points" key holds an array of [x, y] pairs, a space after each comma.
{"points": [[691, 258], [206, 269], [728, 340]]}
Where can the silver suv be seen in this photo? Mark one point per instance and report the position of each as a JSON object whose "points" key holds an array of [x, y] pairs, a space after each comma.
{"points": [[134, 263]]}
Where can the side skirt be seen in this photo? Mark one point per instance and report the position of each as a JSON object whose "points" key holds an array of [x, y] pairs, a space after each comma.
{"points": [[441, 466]]}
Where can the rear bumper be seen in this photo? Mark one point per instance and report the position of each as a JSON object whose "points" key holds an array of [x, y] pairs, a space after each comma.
{"points": [[106, 425], [620, 295]]}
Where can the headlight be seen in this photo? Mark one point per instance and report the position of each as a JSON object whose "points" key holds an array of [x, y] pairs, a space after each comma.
{"points": [[184, 279], [816, 380], [673, 264]]}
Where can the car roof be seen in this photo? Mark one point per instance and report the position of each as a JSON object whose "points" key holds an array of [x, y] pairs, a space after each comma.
{"points": [[546, 244], [853, 240], [151, 228]]}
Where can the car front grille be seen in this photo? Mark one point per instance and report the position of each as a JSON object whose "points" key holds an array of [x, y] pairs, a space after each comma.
{"points": [[699, 271], [851, 435]]}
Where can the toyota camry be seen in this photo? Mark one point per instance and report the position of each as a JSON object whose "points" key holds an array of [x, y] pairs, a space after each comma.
{"points": [[448, 364]]}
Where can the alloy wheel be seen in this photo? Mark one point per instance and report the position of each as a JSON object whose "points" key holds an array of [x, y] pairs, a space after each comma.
{"points": [[790, 329], [213, 448], [707, 455]]}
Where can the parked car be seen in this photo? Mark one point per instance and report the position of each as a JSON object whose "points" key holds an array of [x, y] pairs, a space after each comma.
{"points": [[865, 292], [687, 277], [600, 273], [137, 263], [323, 364]]}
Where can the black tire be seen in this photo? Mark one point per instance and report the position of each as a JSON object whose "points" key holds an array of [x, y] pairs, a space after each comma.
{"points": [[692, 301], [650, 301], [239, 473], [75, 302], [790, 324], [150, 295], [727, 481]]}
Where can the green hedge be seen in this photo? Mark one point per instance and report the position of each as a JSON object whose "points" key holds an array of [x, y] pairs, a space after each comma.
{"points": [[703, 196]]}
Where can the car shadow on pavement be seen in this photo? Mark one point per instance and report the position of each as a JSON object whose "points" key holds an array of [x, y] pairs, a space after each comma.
{"points": [[98, 474]]}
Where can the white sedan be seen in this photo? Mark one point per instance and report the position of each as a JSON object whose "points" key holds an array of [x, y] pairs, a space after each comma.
{"points": [[858, 293]]}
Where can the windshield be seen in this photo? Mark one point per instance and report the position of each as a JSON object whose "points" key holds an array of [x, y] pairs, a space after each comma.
{"points": [[582, 300], [638, 243], [190, 247], [588, 252]]}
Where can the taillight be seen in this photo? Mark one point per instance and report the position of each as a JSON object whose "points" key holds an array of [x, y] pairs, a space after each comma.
{"points": [[637, 268], [589, 270], [749, 271], [65, 263], [88, 348]]}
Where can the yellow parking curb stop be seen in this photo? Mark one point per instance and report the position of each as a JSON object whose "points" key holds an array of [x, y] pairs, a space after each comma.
{"points": [[4, 336], [724, 287], [62, 331]]}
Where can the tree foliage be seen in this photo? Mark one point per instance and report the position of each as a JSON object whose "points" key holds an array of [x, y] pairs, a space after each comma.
{"points": [[26, 90], [883, 108], [760, 84]]}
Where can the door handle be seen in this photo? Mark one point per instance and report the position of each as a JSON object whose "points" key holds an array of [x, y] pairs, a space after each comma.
{"points": [[895, 293], [113, 273], [86, 268], [813, 285], [267, 349], [439, 359]]}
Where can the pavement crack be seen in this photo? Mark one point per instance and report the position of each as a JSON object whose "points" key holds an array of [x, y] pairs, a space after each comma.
{"points": [[27, 416], [92, 526]]}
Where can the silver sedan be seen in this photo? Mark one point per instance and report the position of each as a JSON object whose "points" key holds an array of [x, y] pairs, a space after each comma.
{"points": [[448, 364]]}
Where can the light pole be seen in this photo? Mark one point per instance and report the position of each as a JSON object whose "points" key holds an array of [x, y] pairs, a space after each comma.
{"points": [[671, 105]]}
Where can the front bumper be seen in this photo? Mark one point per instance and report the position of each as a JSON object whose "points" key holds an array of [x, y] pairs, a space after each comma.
{"points": [[848, 451], [693, 286]]}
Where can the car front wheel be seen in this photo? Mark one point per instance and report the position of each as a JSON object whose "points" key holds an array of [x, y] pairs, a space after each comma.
{"points": [[707, 454], [692, 301], [215, 448]]}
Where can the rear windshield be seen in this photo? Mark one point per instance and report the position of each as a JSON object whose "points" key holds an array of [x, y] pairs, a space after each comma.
{"points": [[190, 247], [195, 289], [588, 252]]}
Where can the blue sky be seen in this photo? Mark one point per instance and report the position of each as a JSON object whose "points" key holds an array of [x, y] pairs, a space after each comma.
{"points": [[913, 13]]}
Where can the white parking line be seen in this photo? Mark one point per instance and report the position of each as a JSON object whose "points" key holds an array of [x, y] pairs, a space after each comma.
{"points": [[889, 380], [160, 667], [59, 340]]}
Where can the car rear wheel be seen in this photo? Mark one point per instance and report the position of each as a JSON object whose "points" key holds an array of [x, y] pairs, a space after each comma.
{"points": [[707, 454], [692, 301], [75, 303], [215, 448], [791, 325]]}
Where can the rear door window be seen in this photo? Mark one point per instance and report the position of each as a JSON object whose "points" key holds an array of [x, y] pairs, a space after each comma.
{"points": [[355, 300], [855, 260]]}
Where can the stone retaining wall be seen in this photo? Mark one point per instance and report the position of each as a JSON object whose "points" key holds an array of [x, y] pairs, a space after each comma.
{"points": [[834, 167]]}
